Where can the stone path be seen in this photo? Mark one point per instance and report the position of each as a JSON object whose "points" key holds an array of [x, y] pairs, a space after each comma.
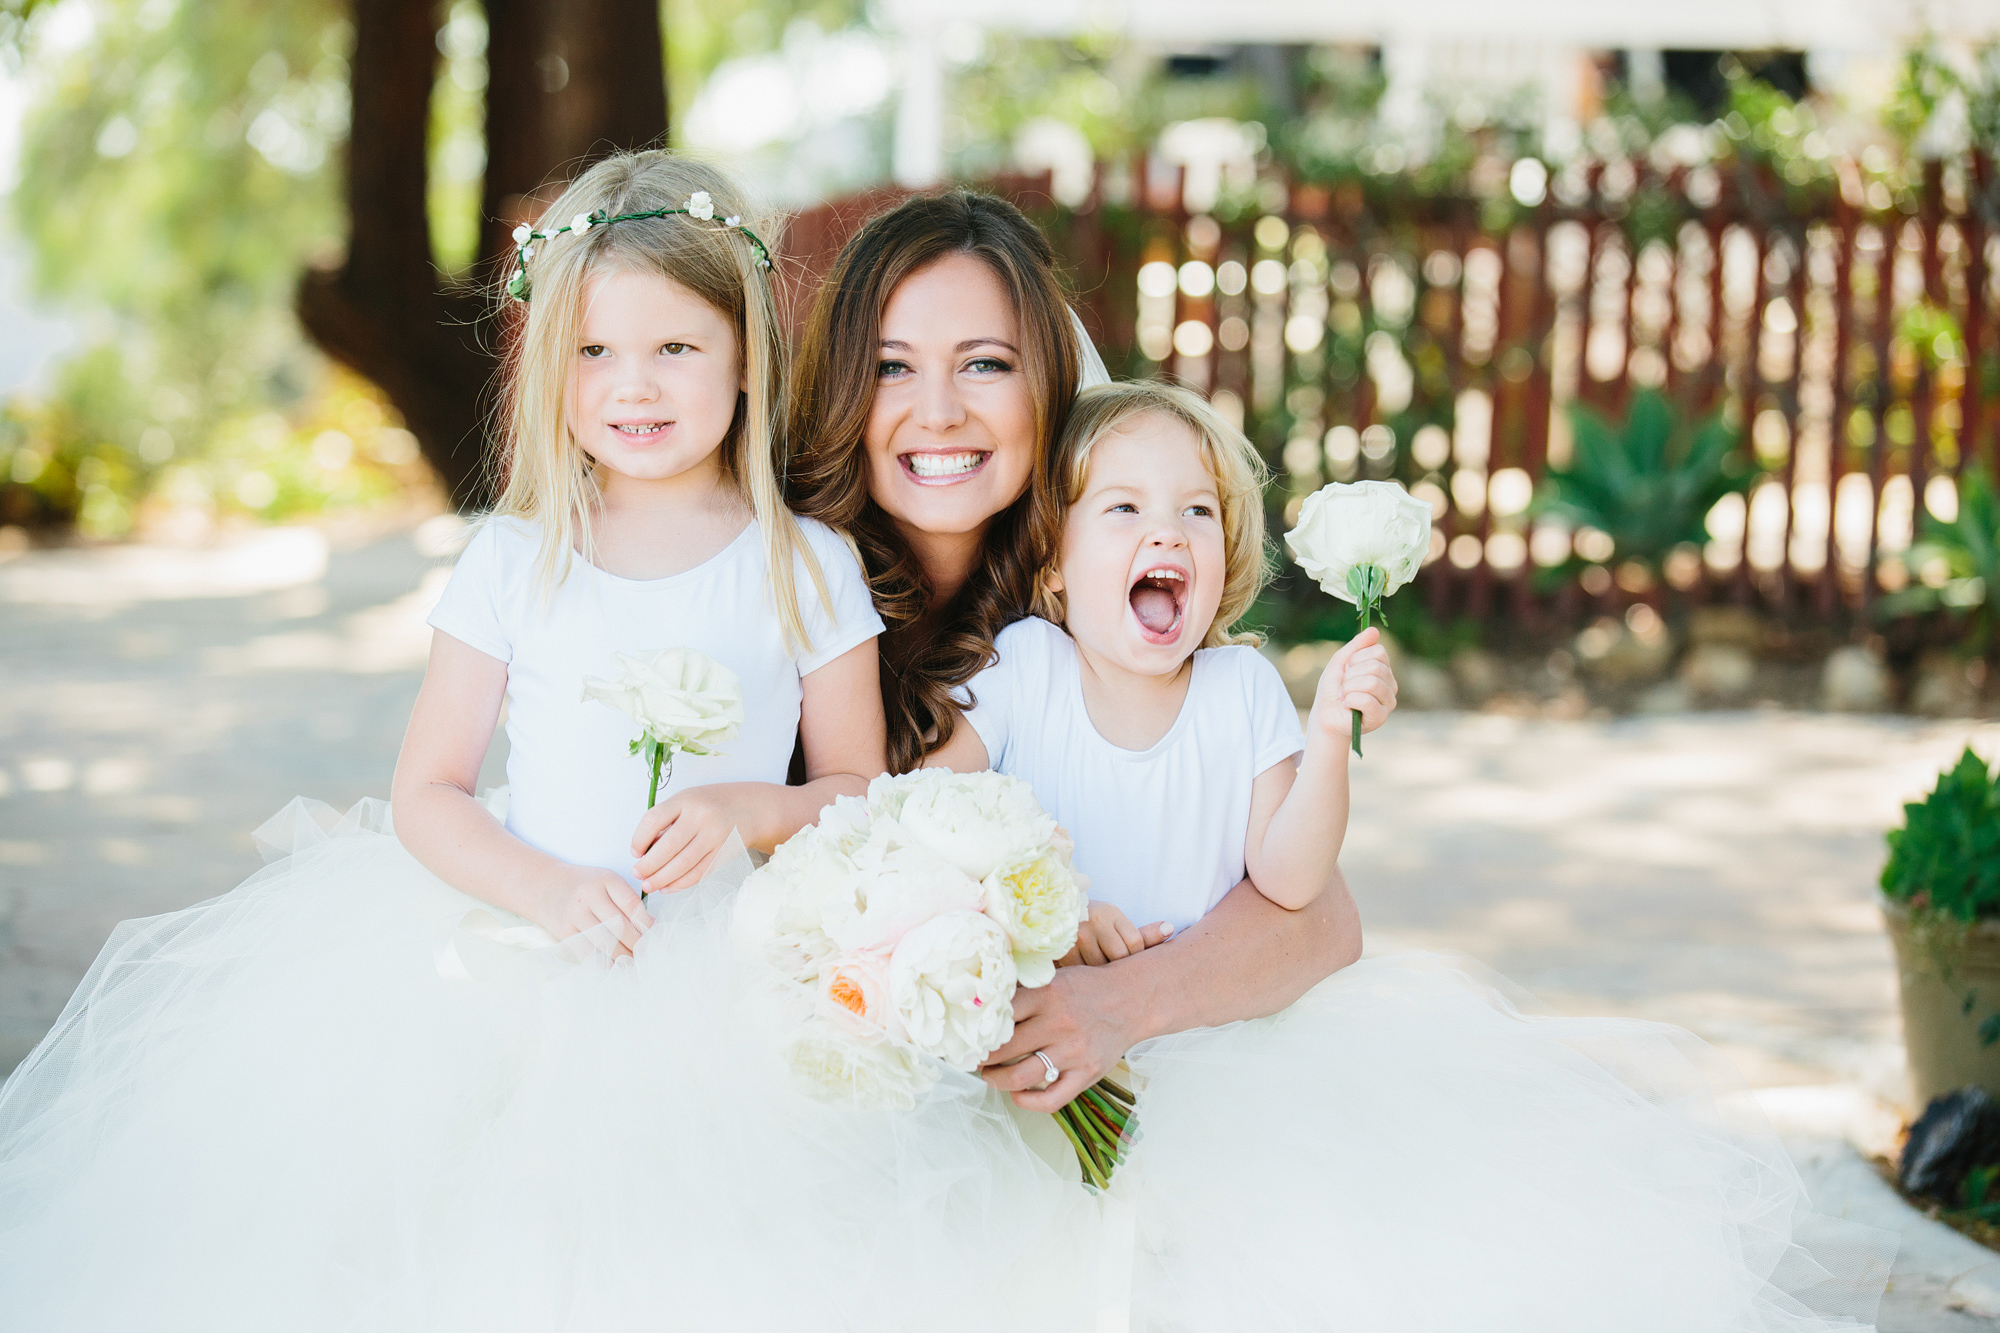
{"points": [[1712, 870]]}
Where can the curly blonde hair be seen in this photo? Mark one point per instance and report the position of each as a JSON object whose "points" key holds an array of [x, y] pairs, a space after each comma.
{"points": [[1240, 477]]}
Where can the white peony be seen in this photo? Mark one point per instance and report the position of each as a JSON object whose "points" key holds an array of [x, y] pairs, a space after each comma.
{"points": [[977, 821], [952, 983], [1040, 902], [1348, 526], [887, 792], [894, 891], [837, 1067], [685, 700]]}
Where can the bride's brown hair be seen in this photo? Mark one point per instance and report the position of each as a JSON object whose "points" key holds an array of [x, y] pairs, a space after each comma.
{"points": [[833, 390]]}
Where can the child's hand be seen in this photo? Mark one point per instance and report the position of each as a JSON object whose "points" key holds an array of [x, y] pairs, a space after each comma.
{"points": [[1359, 680], [586, 897], [1108, 935], [678, 839]]}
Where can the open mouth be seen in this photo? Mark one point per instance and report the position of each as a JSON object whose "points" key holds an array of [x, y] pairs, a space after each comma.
{"points": [[932, 469], [641, 431], [1159, 600]]}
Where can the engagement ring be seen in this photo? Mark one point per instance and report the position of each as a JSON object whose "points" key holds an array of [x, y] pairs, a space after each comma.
{"points": [[1049, 1065]]}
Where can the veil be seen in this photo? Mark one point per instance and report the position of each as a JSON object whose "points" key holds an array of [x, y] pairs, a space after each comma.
{"points": [[1090, 364]]}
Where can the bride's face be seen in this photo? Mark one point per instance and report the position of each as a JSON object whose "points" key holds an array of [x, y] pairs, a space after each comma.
{"points": [[951, 434]]}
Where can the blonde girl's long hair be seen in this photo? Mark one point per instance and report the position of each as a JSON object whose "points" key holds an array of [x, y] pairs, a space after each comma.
{"points": [[546, 478], [1240, 476]]}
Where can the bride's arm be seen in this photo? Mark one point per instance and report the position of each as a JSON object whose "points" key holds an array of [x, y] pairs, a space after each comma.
{"points": [[1246, 958]]}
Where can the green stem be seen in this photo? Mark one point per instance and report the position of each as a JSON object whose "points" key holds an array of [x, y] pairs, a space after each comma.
{"points": [[661, 755], [1367, 613], [1084, 1159]]}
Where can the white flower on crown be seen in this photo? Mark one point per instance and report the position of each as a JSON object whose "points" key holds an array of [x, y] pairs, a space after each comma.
{"points": [[580, 223], [527, 253], [699, 205], [733, 220], [523, 233]]}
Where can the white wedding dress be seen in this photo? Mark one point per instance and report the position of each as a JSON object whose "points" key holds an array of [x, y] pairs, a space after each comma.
{"points": [[291, 1107]]}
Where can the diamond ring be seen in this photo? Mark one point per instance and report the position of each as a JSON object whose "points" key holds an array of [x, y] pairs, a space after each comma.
{"points": [[1049, 1065]]}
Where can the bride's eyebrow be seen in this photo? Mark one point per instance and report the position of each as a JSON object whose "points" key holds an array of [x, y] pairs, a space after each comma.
{"points": [[897, 345]]}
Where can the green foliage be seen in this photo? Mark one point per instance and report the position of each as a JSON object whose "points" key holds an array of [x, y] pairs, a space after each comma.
{"points": [[1958, 563], [1649, 483], [701, 34], [179, 169], [1945, 860]]}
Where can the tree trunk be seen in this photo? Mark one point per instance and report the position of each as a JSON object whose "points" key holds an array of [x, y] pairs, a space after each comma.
{"points": [[568, 80]]}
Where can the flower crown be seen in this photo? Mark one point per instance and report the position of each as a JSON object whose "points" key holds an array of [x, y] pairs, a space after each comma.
{"points": [[699, 205]]}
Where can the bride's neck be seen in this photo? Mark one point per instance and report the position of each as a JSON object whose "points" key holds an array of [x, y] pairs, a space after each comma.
{"points": [[947, 559]]}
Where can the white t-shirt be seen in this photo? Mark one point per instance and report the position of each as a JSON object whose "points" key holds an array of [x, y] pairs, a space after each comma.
{"points": [[1159, 831], [577, 792]]}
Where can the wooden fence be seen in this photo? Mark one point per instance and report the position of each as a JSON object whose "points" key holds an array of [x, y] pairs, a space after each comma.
{"points": [[1438, 341]]}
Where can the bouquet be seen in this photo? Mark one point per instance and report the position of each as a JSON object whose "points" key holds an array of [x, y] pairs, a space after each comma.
{"points": [[1360, 541], [901, 924]]}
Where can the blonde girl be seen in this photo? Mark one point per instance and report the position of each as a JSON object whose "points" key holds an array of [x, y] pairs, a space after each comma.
{"points": [[640, 511]]}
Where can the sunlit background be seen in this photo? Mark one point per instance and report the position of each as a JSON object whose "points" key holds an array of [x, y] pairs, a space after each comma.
{"points": [[1398, 245]]}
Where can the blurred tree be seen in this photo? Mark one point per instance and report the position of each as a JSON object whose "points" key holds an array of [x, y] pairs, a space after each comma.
{"points": [[566, 80]]}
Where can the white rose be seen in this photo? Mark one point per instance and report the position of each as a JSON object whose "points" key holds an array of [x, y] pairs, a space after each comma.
{"points": [[837, 1067], [1040, 902], [896, 891], [952, 983], [522, 233], [977, 821], [685, 700], [854, 995], [700, 205], [1349, 525]]}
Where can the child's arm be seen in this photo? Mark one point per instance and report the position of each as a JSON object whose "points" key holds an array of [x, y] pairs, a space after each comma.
{"points": [[445, 827], [963, 753], [846, 743], [1298, 815]]}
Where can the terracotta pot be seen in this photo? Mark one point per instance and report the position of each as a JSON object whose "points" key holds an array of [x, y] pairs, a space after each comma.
{"points": [[1948, 996]]}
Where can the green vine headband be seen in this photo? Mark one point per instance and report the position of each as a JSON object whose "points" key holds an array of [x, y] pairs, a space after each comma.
{"points": [[699, 205]]}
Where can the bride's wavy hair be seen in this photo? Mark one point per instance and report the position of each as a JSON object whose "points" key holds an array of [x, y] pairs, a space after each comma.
{"points": [[833, 391]]}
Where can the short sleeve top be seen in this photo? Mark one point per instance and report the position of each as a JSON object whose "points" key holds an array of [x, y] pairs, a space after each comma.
{"points": [[577, 793], [1160, 831]]}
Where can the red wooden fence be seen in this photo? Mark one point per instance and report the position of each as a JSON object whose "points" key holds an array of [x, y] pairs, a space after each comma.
{"points": [[1422, 340]]}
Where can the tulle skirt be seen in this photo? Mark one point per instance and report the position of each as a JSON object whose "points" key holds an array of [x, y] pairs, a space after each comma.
{"points": [[319, 1102]]}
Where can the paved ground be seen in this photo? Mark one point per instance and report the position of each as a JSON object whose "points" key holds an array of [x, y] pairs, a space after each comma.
{"points": [[1713, 870]]}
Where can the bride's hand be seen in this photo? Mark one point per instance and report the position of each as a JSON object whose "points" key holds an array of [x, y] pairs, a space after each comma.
{"points": [[586, 897], [1358, 679], [1078, 1021]]}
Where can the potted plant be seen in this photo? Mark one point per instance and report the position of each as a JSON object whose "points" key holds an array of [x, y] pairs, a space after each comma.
{"points": [[1941, 900]]}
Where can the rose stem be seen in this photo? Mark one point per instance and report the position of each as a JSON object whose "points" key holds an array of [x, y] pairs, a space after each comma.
{"points": [[660, 753], [1106, 1145], [1091, 1174], [1104, 1123]]}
